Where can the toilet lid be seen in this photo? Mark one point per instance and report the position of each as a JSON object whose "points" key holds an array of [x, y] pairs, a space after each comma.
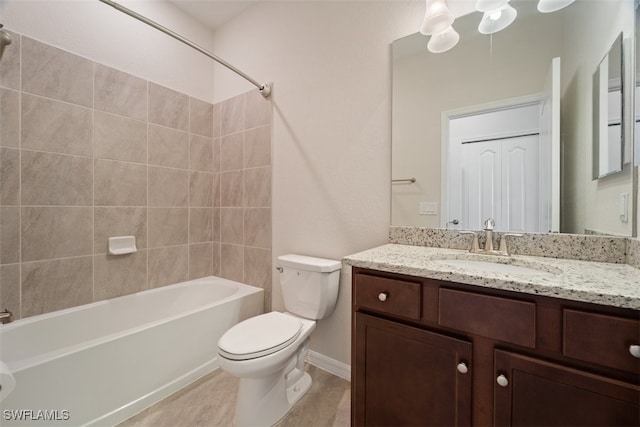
{"points": [[259, 336]]}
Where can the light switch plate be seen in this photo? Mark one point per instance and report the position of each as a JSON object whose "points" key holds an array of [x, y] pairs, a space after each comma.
{"points": [[428, 208]]}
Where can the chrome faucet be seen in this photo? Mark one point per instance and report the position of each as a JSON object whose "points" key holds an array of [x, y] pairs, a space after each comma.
{"points": [[489, 225], [6, 316]]}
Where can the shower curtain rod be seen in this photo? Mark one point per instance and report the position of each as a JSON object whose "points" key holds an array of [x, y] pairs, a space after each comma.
{"points": [[265, 88]]}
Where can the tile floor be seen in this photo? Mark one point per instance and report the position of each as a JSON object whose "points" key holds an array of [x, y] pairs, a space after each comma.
{"points": [[210, 401]]}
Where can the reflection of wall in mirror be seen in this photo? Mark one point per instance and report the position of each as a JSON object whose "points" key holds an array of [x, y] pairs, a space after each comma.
{"points": [[473, 73], [591, 205]]}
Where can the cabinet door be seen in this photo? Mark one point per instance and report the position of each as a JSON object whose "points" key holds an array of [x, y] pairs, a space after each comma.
{"points": [[405, 376], [533, 392]]}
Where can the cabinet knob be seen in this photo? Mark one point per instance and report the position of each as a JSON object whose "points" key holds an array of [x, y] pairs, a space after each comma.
{"points": [[502, 381], [462, 368], [634, 349], [382, 296]]}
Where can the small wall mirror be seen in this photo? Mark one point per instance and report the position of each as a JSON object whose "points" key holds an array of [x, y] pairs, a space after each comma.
{"points": [[608, 113]]}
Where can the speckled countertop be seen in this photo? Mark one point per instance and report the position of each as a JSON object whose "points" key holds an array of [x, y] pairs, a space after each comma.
{"points": [[596, 282]]}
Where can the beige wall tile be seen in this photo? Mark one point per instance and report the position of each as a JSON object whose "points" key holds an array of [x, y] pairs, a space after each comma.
{"points": [[216, 225], [232, 262], [257, 147], [112, 222], [257, 187], [56, 232], [55, 179], [9, 176], [201, 153], [216, 259], [9, 118], [200, 189], [216, 155], [168, 107], [231, 152], [200, 225], [168, 226], [257, 227], [231, 225], [168, 265], [257, 267], [200, 117], [168, 147], [232, 115], [10, 289], [257, 110], [10, 235], [168, 187], [119, 275], [54, 126], [120, 93], [54, 285], [200, 260], [55, 73], [10, 64], [120, 184], [231, 189], [120, 138], [217, 120], [216, 189]]}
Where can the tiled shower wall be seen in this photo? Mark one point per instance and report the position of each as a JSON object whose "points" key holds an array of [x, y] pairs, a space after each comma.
{"points": [[88, 152]]}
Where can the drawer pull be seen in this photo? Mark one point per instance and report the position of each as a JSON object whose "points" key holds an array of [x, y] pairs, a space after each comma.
{"points": [[635, 350], [502, 381], [382, 296], [462, 368]]}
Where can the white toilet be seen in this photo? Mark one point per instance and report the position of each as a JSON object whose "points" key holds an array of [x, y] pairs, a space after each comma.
{"points": [[267, 352]]}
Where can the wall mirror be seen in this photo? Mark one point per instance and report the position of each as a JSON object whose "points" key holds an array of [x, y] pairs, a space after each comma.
{"points": [[608, 117], [542, 64]]}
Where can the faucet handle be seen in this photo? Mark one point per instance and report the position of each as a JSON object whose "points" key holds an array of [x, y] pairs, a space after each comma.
{"points": [[475, 245], [503, 242], [489, 224]]}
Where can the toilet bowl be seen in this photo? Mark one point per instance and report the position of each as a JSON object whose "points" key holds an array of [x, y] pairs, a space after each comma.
{"points": [[267, 352]]}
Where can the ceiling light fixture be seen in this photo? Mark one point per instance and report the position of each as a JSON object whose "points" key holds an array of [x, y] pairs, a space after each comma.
{"points": [[489, 5], [437, 17], [443, 41], [497, 20], [548, 6]]}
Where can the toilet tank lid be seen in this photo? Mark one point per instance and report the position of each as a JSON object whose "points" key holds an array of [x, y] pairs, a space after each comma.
{"points": [[302, 262]]}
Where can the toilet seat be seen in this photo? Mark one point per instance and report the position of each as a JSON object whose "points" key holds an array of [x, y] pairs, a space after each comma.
{"points": [[259, 336]]}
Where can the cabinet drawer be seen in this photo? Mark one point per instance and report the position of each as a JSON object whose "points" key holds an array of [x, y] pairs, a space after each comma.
{"points": [[494, 317], [601, 339], [391, 296]]}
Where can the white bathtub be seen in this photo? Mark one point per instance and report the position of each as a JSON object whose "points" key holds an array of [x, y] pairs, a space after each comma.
{"points": [[100, 363]]}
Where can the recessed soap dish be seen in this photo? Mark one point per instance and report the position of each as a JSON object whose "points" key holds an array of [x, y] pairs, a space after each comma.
{"points": [[122, 245]]}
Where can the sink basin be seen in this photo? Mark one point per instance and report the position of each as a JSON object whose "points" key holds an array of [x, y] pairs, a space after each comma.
{"points": [[500, 266]]}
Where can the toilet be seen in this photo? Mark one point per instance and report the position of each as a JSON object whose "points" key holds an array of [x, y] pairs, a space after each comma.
{"points": [[267, 352]]}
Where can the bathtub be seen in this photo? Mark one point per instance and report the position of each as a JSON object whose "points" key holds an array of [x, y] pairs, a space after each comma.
{"points": [[100, 363]]}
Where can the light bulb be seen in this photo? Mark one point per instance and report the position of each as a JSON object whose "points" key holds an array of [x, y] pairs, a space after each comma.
{"points": [[437, 17], [443, 41]]}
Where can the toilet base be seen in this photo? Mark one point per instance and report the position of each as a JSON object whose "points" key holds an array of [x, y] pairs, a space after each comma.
{"points": [[274, 402]]}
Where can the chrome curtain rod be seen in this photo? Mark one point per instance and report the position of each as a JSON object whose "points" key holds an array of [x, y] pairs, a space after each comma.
{"points": [[265, 88]]}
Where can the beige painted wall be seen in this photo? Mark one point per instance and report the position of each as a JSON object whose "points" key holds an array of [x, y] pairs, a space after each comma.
{"points": [[331, 67]]}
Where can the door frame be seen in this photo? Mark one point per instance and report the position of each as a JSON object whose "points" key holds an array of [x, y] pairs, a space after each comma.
{"points": [[472, 110]]}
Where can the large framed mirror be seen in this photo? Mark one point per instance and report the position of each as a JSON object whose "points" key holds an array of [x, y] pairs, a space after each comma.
{"points": [[608, 116], [542, 64]]}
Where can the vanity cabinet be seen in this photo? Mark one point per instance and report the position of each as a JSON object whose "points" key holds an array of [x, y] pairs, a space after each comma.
{"points": [[432, 352]]}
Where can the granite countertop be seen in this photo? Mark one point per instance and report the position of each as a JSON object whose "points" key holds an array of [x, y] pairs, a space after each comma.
{"points": [[610, 284]]}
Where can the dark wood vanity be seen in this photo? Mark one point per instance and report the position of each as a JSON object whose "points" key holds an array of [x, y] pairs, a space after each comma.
{"points": [[433, 352]]}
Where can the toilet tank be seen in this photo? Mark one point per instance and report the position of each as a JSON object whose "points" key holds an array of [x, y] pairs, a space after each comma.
{"points": [[309, 285]]}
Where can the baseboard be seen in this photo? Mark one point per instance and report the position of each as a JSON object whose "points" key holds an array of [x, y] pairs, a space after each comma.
{"points": [[330, 365]]}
